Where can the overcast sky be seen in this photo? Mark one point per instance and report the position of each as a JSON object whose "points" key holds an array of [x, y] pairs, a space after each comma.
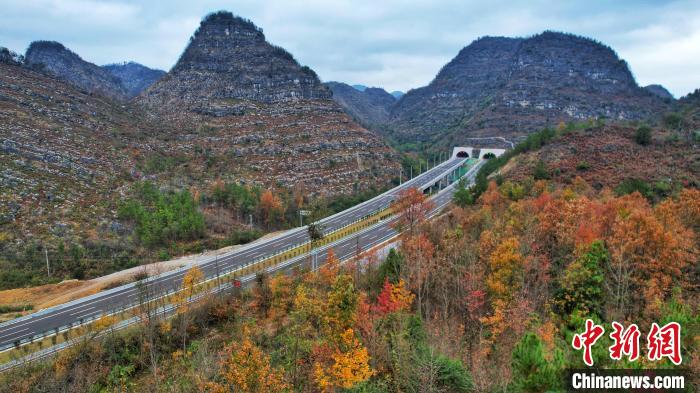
{"points": [[394, 44]]}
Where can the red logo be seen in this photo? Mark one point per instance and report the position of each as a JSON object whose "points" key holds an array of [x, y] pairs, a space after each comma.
{"points": [[586, 340], [662, 342], [665, 342], [626, 342]]}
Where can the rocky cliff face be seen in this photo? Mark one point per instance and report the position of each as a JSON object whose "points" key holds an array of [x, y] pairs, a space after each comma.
{"points": [[56, 60], [369, 106], [134, 77], [228, 59], [266, 110], [500, 86]]}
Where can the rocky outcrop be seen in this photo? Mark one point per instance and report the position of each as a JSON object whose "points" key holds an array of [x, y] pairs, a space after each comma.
{"points": [[659, 91], [501, 86], [58, 61], [228, 59], [9, 57], [369, 106], [134, 77]]}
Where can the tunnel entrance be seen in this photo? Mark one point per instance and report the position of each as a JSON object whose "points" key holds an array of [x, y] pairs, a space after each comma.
{"points": [[462, 154], [489, 156]]}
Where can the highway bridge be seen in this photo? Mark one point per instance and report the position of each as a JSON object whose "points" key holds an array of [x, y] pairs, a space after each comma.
{"points": [[52, 321]]}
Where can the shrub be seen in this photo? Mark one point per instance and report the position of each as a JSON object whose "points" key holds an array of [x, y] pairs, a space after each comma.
{"points": [[540, 172], [631, 185], [583, 166], [162, 216], [452, 376], [8, 308], [462, 196], [673, 138], [643, 135]]}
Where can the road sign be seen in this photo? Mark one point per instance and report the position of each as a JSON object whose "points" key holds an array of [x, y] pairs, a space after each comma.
{"points": [[304, 212]]}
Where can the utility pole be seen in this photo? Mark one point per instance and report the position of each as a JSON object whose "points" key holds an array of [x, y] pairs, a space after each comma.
{"points": [[218, 281], [411, 172], [250, 219], [358, 251], [400, 176], [48, 267]]}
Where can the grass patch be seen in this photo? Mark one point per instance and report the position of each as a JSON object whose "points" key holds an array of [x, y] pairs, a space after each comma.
{"points": [[18, 308]]}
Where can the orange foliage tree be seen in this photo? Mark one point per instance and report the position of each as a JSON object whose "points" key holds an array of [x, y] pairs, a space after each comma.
{"points": [[348, 365], [245, 368], [270, 206], [412, 207]]}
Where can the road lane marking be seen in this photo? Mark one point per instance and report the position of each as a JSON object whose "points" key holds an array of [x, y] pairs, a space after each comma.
{"points": [[237, 257]]}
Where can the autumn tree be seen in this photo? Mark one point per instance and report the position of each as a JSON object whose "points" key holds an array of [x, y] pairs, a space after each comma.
{"points": [[270, 207], [246, 368], [412, 207], [329, 271], [504, 282], [647, 257], [348, 366], [188, 290], [341, 306], [394, 298], [419, 252]]}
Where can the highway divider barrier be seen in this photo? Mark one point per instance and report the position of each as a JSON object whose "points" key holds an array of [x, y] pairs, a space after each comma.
{"points": [[62, 336], [93, 325]]}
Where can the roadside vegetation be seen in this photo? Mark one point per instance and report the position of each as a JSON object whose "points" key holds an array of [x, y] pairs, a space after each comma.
{"points": [[485, 298], [155, 223]]}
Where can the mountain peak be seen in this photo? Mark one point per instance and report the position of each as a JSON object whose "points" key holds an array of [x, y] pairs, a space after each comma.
{"points": [[227, 17], [55, 59], [660, 91], [370, 105], [512, 86], [47, 45], [134, 77], [229, 58]]}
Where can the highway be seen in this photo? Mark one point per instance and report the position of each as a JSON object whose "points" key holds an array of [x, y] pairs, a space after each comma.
{"points": [[26, 328], [377, 234]]}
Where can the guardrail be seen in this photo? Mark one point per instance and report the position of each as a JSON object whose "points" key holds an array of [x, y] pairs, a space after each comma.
{"points": [[58, 334], [60, 337], [209, 260]]}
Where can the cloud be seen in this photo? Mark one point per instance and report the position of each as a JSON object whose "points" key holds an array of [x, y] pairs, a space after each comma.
{"points": [[392, 43]]}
